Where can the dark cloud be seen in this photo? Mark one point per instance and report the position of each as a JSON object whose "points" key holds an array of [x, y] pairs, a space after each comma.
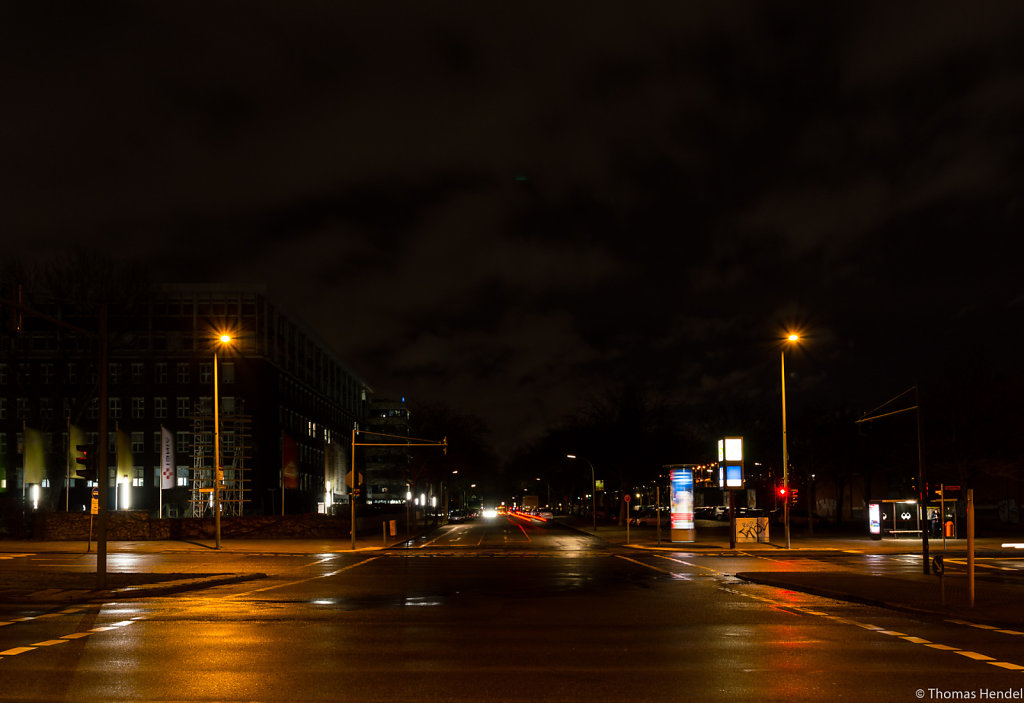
{"points": [[511, 208]]}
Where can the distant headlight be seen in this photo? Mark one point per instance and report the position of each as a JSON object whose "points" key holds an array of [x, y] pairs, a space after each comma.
{"points": [[490, 512]]}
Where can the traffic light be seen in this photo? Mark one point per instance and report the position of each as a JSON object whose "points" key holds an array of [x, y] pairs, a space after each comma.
{"points": [[782, 492], [86, 461], [794, 493]]}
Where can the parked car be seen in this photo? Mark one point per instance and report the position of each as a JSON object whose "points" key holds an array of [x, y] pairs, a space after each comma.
{"points": [[704, 512], [648, 517]]}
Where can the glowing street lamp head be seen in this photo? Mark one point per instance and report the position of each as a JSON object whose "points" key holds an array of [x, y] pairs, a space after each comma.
{"points": [[793, 337], [225, 338]]}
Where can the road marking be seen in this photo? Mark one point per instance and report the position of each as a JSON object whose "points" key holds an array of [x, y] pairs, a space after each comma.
{"points": [[75, 635], [981, 626], [306, 580], [653, 568], [963, 562], [15, 651], [687, 563], [318, 561], [1008, 665], [49, 643], [975, 655]]}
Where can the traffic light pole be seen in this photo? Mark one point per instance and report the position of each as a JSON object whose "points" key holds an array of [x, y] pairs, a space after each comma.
{"points": [[354, 487]]}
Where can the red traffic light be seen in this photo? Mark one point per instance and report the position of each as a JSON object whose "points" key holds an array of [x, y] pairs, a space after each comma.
{"points": [[782, 491]]}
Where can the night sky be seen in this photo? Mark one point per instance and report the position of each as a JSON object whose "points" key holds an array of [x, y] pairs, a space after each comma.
{"points": [[514, 208]]}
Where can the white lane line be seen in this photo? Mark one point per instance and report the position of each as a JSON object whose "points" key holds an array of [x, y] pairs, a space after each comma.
{"points": [[687, 563], [306, 580], [640, 563]]}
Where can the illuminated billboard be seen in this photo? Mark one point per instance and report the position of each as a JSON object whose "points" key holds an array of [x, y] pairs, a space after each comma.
{"points": [[875, 520], [730, 462], [682, 505]]}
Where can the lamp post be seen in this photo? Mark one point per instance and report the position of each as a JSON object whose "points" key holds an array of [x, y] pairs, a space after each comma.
{"points": [[593, 486], [217, 471], [785, 451]]}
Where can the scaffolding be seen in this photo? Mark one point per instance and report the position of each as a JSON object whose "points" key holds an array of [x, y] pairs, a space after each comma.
{"points": [[235, 453]]}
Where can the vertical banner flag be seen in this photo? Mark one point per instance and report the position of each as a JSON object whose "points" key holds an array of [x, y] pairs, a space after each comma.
{"points": [[125, 460], [35, 469], [167, 469], [289, 461], [76, 436]]}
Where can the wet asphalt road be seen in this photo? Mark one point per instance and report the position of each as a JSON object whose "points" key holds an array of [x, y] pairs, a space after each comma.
{"points": [[494, 610]]}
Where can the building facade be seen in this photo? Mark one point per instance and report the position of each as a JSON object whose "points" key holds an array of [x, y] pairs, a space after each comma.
{"points": [[284, 398], [387, 468]]}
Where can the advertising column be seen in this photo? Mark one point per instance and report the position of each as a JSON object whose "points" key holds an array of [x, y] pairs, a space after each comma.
{"points": [[682, 506]]}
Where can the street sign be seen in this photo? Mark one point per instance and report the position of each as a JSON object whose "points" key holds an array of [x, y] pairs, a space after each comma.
{"points": [[94, 508], [626, 497], [348, 479]]}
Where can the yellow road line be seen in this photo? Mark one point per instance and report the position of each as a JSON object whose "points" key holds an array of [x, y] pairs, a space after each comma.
{"points": [[1007, 665], [975, 655], [15, 650]]}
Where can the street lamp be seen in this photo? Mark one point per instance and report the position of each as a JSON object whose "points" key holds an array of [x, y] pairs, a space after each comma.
{"points": [[217, 471], [792, 337], [593, 492]]}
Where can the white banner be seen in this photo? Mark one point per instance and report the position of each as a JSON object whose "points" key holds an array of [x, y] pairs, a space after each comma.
{"points": [[167, 469]]}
